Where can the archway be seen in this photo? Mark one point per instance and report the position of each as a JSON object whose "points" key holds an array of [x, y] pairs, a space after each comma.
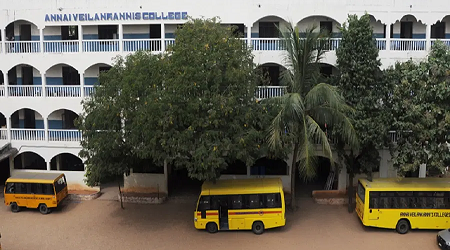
{"points": [[62, 80], [266, 35], [24, 80], [324, 173], [3, 128], [66, 162], [21, 38], [322, 23], [439, 30], [408, 33], [269, 166], [270, 85], [61, 126], [27, 124], [328, 72], [29, 160], [91, 76]]}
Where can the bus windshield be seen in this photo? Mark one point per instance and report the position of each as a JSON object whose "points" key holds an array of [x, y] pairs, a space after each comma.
{"points": [[361, 192], [60, 184]]}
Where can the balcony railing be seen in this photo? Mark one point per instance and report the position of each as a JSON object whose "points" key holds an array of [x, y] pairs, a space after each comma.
{"points": [[61, 46], [403, 44], [101, 45], [445, 41], [142, 44], [381, 43], [23, 47], [263, 92], [64, 135], [63, 91], [2, 90], [22, 134], [3, 134], [24, 91], [169, 41], [88, 90], [268, 44]]}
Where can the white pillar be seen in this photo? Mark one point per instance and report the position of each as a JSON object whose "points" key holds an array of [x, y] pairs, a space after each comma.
{"points": [[58, 162], [49, 166], [423, 171], [120, 37], [428, 37], [44, 84], [249, 35], [3, 34], [6, 82], [163, 37], [41, 41], [46, 128], [82, 84], [11, 164], [8, 127], [388, 36], [80, 38]]}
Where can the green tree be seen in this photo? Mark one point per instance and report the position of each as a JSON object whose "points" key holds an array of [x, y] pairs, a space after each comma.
{"points": [[422, 112], [212, 118], [115, 126], [307, 105], [365, 90]]}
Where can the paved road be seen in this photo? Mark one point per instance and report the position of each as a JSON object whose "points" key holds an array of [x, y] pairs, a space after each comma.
{"points": [[102, 224]]}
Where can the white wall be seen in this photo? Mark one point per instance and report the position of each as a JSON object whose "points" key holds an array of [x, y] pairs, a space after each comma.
{"points": [[90, 30], [34, 29], [52, 31], [57, 115], [55, 71], [315, 20], [36, 115], [36, 72], [92, 71], [136, 29], [143, 182], [170, 28]]}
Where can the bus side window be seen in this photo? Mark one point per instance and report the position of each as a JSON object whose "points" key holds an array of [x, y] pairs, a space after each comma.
{"points": [[236, 202], [253, 201], [10, 188], [22, 188], [272, 200], [374, 199], [204, 203], [439, 200]]}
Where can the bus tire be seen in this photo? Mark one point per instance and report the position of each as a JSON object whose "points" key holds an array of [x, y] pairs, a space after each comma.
{"points": [[44, 209], [258, 227], [403, 226], [211, 227], [14, 207]]}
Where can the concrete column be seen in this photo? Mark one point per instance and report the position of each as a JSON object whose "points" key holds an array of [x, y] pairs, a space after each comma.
{"points": [[428, 37], [249, 35], [166, 176], [388, 36], [44, 84], [423, 171], [3, 34], [58, 162], [11, 164], [163, 37], [80, 38], [6, 82], [82, 84], [41, 41], [49, 167], [8, 128], [120, 37], [46, 128]]}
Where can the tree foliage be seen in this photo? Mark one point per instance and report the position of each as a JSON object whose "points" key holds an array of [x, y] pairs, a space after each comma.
{"points": [[307, 105], [194, 107], [365, 90], [421, 112]]}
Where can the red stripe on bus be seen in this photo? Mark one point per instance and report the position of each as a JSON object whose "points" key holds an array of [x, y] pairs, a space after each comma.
{"points": [[199, 214]]}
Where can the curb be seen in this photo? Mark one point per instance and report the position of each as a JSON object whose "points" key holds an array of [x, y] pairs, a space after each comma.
{"points": [[83, 197], [141, 200]]}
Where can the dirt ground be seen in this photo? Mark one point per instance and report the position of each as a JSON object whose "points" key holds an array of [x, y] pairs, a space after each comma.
{"points": [[102, 224]]}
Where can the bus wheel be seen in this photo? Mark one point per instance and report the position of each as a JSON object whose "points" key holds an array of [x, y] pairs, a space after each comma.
{"points": [[43, 209], [402, 226], [211, 227], [14, 207], [258, 227]]}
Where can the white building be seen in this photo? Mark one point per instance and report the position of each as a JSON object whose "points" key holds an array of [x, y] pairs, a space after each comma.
{"points": [[52, 52]]}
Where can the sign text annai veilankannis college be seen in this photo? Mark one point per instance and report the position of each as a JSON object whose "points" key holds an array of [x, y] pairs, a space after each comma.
{"points": [[116, 16]]}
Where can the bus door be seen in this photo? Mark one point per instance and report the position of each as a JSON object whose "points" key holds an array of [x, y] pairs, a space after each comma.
{"points": [[223, 213], [374, 204]]}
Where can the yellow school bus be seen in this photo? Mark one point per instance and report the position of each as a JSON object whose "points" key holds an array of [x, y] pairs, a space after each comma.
{"points": [[404, 203], [249, 204], [35, 190]]}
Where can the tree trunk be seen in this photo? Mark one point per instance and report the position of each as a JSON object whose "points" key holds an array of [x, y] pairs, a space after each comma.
{"points": [[350, 192], [293, 175], [120, 193]]}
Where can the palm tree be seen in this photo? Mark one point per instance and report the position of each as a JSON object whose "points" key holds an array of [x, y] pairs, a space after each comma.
{"points": [[307, 104]]}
